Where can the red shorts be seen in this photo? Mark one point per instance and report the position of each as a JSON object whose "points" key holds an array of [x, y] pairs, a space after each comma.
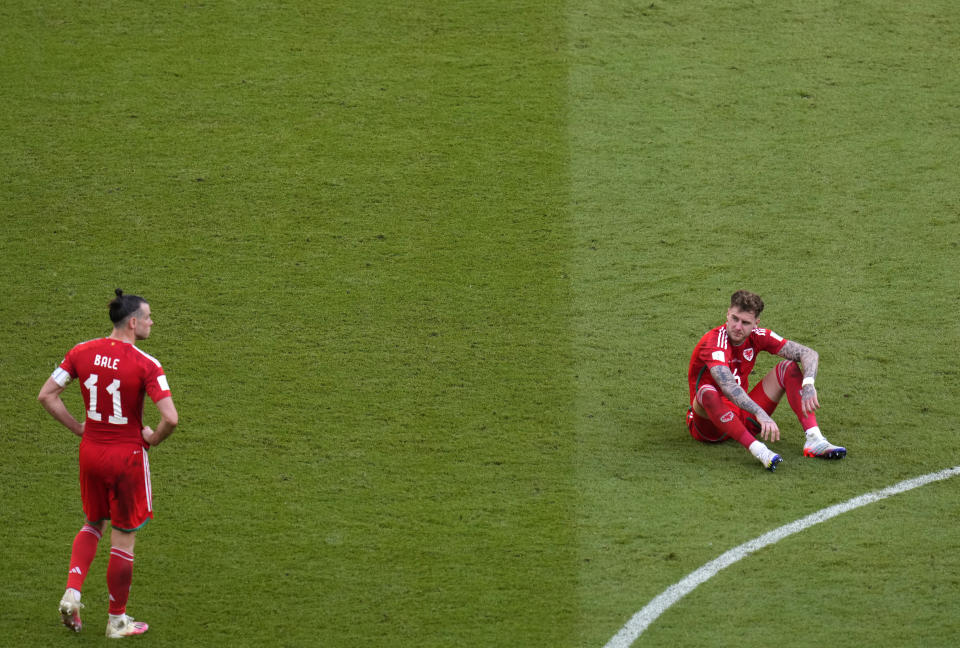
{"points": [[115, 484]]}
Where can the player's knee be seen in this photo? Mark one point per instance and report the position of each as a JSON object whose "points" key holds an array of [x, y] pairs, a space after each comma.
{"points": [[707, 395], [124, 540], [787, 369]]}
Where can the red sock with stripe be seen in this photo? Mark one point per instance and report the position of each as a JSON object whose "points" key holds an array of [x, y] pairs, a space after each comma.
{"points": [[119, 577], [791, 379], [724, 418], [82, 555]]}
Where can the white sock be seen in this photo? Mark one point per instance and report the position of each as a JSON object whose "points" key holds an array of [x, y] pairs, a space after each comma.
{"points": [[814, 434], [76, 593], [758, 450]]}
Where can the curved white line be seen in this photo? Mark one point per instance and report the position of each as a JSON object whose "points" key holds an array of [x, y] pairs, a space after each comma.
{"points": [[642, 619]]}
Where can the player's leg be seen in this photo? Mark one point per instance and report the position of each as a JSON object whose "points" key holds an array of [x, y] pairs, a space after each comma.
{"points": [[768, 392], [131, 510], [715, 418], [787, 378], [119, 578], [96, 505], [82, 553], [120, 569]]}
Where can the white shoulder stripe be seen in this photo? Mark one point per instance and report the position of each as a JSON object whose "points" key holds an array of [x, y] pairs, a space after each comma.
{"points": [[722, 338], [147, 356]]}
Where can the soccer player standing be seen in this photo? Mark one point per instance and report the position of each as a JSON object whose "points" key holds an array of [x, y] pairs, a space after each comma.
{"points": [[721, 407], [115, 488]]}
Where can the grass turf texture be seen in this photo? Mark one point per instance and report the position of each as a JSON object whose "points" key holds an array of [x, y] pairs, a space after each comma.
{"points": [[426, 279]]}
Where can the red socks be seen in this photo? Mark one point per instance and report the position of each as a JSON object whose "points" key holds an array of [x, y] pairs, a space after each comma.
{"points": [[724, 418], [83, 553], [791, 379], [119, 577], [119, 569]]}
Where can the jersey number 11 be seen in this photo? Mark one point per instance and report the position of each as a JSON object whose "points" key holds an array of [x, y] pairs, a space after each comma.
{"points": [[114, 390]]}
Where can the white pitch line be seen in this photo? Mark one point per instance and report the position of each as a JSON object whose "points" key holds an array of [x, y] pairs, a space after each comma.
{"points": [[642, 619]]}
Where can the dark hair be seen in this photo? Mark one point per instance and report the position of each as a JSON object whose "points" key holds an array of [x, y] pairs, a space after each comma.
{"points": [[747, 301], [123, 306]]}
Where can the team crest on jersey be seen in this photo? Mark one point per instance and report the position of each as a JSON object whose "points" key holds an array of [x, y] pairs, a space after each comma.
{"points": [[727, 417], [748, 354]]}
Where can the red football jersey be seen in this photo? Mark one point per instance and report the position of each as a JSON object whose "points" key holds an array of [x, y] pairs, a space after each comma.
{"points": [[114, 375], [715, 348]]}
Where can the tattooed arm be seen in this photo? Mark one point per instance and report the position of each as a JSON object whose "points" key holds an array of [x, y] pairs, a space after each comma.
{"points": [[735, 393], [802, 355], [809, 360]]}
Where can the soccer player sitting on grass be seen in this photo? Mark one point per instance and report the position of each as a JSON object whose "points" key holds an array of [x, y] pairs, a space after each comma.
{"points": [[719, 372]]}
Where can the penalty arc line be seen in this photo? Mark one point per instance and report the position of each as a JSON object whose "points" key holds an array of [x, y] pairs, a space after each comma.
{"points": [[663, 601]]}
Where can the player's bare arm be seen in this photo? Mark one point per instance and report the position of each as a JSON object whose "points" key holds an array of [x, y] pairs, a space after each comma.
{"points": [[49, 397], [809, 361], [169, 419], [732, 390]]}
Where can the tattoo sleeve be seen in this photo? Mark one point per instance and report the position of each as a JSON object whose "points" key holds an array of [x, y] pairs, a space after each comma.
{"points": [[731, 389], [808, 359]]}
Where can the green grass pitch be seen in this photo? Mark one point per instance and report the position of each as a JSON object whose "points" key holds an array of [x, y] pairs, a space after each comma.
{"points": [[425, 279]]}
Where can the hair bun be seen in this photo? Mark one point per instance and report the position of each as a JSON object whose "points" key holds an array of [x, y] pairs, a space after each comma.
{"points": [[118, 292]]}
